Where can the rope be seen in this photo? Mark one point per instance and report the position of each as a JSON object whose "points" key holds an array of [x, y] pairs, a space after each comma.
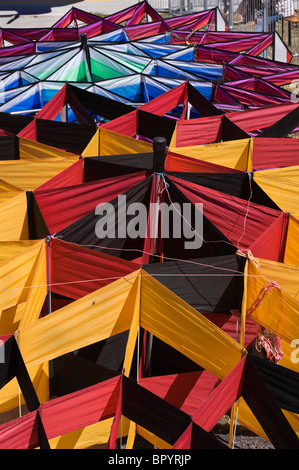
{"points": [[192, 228]]}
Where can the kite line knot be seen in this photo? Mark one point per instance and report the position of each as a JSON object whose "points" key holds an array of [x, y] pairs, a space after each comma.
{"points": [[270, 343]]}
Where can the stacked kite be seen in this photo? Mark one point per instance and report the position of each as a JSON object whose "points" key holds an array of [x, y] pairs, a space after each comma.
{"points": [[108, 338]]}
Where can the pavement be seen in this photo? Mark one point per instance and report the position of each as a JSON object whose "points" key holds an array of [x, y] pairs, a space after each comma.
{"points": [[43, 14]]}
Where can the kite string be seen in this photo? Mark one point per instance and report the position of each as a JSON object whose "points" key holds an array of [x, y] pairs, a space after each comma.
{"points": [[243, 252], [187, 261], [265, 289], [247, 209]]}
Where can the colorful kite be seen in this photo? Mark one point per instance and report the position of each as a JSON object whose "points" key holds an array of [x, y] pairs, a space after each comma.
{"points": [[121, 314]]}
